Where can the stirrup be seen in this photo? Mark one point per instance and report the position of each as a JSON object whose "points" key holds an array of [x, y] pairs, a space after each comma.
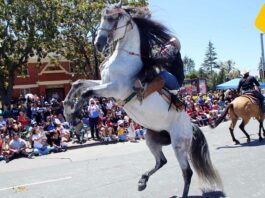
{"points": [[139, 89]]}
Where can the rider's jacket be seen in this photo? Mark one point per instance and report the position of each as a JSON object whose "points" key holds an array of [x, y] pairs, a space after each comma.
{"points": [[247, 83]]}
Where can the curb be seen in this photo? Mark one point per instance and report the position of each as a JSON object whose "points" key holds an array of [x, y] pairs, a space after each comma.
{"points": [[77, 146]]}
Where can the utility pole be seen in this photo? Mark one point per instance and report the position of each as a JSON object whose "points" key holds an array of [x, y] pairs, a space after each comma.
{"points": [[262, 56]]}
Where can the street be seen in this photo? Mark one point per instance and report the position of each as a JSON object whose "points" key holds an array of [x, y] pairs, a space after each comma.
{"points": [[114, 170]]}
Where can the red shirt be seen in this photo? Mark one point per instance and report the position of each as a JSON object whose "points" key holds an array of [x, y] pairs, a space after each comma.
{"points": [[23, 120]]}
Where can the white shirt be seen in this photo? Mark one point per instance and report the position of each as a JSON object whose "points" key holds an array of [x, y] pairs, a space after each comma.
{"points": [[37, 143]]}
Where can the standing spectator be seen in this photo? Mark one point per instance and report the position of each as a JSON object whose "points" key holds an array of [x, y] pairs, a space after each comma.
{"points": [[104, 106], [15, 111], [93, 112], [6, 112], [17, 148]]}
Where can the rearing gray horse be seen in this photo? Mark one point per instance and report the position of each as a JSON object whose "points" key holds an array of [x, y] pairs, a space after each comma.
{"points": [[118, 75]]}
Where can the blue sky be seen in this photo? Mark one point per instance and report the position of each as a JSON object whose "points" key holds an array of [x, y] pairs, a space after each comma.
{"points": [[229, 24]]}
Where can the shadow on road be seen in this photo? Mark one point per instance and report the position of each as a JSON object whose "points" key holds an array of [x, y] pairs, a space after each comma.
{"points": [[215, 194], [251, 144]]}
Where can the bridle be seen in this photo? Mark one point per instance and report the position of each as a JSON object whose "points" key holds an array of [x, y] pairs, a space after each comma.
{"points": [[114, 27]]}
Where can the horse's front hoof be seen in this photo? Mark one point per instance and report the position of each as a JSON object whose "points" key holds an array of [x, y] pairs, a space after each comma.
{"points": [[141, 186], [237, 142], [260, 139], [248, 140], [142, 183]]}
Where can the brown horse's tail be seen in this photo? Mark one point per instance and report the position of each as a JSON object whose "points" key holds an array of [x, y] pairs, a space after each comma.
{"points": [[222, 117]]}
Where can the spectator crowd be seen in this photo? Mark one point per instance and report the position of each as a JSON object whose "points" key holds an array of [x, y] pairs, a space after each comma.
{"points": [[34, 126]]}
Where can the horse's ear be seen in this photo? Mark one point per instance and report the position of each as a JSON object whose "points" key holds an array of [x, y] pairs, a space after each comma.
{"points": [[119, 4]]}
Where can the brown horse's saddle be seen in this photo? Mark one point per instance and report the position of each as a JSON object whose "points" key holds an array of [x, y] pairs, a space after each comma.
{"points": [[252, 98]]}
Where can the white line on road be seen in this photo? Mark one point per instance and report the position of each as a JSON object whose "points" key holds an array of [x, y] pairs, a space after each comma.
{"points": [[37, 183]]}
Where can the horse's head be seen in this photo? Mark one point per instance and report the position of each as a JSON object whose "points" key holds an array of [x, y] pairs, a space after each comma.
{"points": [[113, 26], [69, 110], [72, 110]]}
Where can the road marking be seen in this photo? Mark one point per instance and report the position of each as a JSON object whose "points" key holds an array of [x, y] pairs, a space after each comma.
{"points": [[36, 183]]}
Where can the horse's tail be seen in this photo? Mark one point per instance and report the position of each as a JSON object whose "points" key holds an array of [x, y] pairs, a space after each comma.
{"points": [[201, 160], [222, 117]]}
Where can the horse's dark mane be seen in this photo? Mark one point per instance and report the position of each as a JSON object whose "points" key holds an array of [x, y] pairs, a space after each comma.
{"points": [[154, 35]]}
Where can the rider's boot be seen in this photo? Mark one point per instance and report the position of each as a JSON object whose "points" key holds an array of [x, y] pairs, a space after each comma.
{"points": [[180, 104], [156, 85]]}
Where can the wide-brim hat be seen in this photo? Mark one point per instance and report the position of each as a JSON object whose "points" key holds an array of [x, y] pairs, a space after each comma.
{"points": [[245, 71]]}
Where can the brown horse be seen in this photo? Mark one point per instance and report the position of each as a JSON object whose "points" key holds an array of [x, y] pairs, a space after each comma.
{"points": [[244, 108]]}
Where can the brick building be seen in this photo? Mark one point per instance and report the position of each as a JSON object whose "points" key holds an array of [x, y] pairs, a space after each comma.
{"points": [[47, 79]]}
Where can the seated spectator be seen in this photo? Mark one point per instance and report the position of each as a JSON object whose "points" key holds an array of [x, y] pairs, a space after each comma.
{"points": [[58, 145], [23, 120], [64, 133], [202, 117], [121, 131], [200, 100], [39, 143], [17, 148], [131, 130], [1, 146], [11, 127], [49, 128], [139, 131], [104, 134], [2, 124]]}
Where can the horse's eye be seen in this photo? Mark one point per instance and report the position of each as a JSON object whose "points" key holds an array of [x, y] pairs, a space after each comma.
{"points": [[110, 19]]}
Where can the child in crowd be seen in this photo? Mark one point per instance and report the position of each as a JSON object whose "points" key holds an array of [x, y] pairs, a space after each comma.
{"points": [[58, 145], [121, 131], [131, 130]]}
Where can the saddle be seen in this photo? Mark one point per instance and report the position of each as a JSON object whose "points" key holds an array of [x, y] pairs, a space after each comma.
{"points": [[252, 98], [174, 101]]}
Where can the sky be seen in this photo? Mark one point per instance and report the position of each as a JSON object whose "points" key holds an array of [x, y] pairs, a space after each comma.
{"points": [[228, 24]]}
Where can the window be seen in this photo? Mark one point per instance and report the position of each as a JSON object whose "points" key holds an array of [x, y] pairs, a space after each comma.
{"points": [[23, 92], [22, 72]]}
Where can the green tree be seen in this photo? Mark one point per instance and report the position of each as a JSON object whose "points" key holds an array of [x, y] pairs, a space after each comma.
{"points": [[35, 28], [228, 65], [209, 62], [221, 76], [26, 28], [79, 28], [189, 65]]}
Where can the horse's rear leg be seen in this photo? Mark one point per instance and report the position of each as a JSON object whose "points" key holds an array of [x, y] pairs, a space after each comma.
{"points": [[232, 126], [154, 141], [181, 148], [242, 127], [261, 127]]}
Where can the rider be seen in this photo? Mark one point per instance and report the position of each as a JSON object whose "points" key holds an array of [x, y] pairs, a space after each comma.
{"points": [[165, 78], [247, 83]]}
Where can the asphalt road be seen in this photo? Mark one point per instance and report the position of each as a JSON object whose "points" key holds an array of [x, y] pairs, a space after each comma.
{"points": [[112, 171]]}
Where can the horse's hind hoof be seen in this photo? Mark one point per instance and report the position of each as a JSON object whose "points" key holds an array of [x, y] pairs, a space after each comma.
{"points": [[248, 140], [141, 187], [237, 142], [260, 139]]}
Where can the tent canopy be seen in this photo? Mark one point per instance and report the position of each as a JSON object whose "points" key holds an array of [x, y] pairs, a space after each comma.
{"points": [[233, 84]]}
